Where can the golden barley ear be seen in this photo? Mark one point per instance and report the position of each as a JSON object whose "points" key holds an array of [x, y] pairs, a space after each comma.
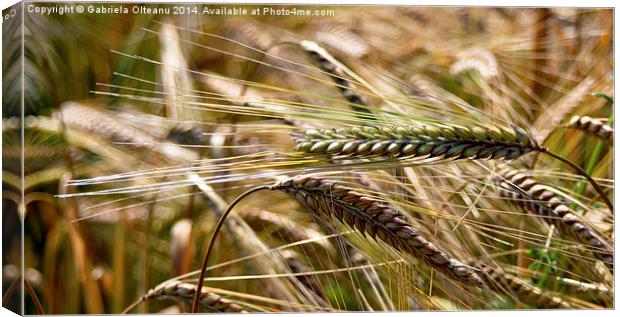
{"points": [[341, 38], [594, 126], [502, 282], [184, 293], [533, 197]]}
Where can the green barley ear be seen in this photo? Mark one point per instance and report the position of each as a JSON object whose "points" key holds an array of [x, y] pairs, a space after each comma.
{"points": [[328, 199], [438, 142], [429, 143]]}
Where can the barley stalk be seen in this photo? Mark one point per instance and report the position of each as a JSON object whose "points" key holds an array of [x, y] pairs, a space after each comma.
{"points": [[593, 289], [592, 125], [216, 230], [536, 198], [441, 142], [329, 199], [500, 281], [184, 292]]}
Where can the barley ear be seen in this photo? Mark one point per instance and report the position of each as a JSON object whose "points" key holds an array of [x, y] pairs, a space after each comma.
{"points": [[438, 142], [592, 126], [335, 70], [184, 292], [328, 199], [535, 198], [500, 281]]}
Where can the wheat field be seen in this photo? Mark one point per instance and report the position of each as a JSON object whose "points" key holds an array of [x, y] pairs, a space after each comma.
{"points": [[371, 158]]}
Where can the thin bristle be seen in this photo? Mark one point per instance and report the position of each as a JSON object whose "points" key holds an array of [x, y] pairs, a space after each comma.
{"points": [[536, 198], [286, 228], [298, 266], [328, 199], [447, 142]]}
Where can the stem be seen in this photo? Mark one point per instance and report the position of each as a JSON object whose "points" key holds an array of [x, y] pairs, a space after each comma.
{"points": [[10, 291], [217, 229], [583, 173], [147, 246], [38, 308], [133, 305]]}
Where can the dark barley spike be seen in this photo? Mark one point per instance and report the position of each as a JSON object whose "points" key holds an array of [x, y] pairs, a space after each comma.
{"points": [[184, 293], [326, 198], [500, 281], [594, 126], [536, 198], [441, 142], [328, 64]]}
